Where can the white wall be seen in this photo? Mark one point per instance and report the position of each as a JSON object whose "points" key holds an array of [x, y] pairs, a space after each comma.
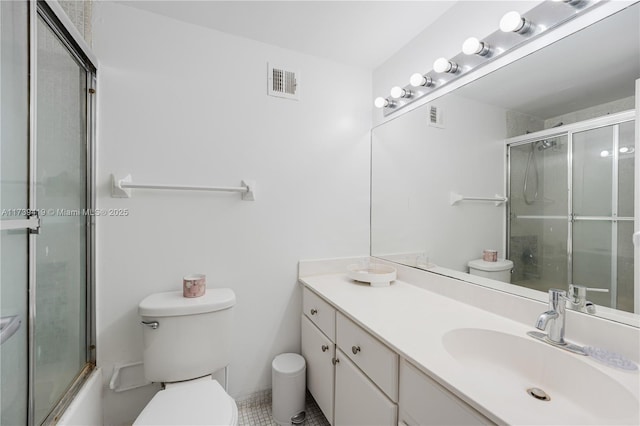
{"points": [[443, 38], [183, 104], [482, 159], [415, 167]]}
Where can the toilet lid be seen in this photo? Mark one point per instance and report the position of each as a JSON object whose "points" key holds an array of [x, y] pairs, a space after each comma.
{"points": [[190, 403], [500, 265]]}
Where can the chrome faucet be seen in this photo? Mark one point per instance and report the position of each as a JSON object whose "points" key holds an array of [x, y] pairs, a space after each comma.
{"points": [[554, 319]]}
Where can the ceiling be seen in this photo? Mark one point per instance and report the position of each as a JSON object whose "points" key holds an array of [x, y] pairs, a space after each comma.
{"points": [[358, 33]]}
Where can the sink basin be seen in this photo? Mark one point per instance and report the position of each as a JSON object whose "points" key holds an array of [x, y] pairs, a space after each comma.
{"points": [[503, 367]]}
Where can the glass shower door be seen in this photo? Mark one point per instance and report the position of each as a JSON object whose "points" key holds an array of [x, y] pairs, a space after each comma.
{"points": [[45, 250], [60, 344], [14, 200], [571, 213], [538, 225], [603, 174]]}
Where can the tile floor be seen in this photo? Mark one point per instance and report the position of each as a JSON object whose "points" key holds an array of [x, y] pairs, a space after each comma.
{"points": [[257, 412]]}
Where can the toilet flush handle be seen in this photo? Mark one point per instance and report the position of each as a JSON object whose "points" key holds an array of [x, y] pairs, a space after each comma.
{"points": [[152, 324]]}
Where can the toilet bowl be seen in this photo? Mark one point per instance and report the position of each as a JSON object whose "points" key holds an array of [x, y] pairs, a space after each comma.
{"points": [[185, 341], [195, 402]]}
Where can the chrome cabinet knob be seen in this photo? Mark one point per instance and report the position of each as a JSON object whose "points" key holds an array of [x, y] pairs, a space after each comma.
{"points": [[355, 349], [313, 311], [325, 348], [335, 361]]}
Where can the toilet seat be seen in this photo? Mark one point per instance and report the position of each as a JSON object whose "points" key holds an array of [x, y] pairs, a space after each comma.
{"points": [[196, 402]]}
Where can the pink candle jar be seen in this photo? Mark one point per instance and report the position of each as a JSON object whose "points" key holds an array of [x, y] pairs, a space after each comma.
{"points": [[490, 255], [194, 285]]}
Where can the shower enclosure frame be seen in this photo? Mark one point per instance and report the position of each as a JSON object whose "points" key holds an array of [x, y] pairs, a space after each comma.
{"points": [[568, 130], [57, 20]]}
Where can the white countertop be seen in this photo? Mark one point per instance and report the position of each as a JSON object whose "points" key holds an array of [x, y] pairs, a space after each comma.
{"points": [[412, 321]]}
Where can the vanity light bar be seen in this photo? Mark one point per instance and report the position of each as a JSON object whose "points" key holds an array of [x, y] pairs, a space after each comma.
{"points": [[516, 30]]}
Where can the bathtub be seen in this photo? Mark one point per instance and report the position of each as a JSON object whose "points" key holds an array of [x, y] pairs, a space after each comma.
{"points": [[86, 407]]}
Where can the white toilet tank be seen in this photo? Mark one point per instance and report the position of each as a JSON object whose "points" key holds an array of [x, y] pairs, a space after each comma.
{"points": [[192, 337], [499, 271]]}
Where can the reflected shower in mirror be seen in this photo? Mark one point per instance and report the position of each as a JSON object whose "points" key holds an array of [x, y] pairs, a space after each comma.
{"points": [[570, 217], [553, 133]]}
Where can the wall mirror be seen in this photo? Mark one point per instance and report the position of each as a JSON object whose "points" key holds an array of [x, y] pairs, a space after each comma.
{"points": [[554, 134]]}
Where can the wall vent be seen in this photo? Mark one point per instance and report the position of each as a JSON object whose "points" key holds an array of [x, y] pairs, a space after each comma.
{"points": [[284, 82], [435, 117]]}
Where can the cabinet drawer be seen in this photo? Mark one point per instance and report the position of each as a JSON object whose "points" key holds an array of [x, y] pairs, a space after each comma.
{"points": [[319, 351], [358, 400], [376, 360], [425, 402], [320, 313]]}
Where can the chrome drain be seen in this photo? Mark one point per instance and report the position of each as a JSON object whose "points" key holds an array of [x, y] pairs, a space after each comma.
{"points": [[538, 394]]}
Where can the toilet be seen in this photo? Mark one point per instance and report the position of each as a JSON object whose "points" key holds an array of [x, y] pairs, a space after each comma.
{"points": [[499, 270], [185, 341]]}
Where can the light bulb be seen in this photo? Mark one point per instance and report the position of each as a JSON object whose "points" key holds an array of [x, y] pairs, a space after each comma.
{"points": [[444, 65], [418, 80], [513, 22], [604, 153], [624, 149], [473, 46], [398, 92], [381, 102]]}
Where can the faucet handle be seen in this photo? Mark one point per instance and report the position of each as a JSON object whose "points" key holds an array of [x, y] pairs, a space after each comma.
{"points": [[578, 298], [556, 298], [597, 289]]}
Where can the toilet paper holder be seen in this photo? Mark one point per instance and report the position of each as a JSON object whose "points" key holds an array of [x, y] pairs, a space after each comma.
{"points": [[128, 376]]}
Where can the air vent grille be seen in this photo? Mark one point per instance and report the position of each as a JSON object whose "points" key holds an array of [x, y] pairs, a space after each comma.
{"points": [[435, 116], [283, 82]]}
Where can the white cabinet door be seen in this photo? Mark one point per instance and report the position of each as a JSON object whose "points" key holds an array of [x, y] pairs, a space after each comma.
{"points": [[319, 351], [425, 402], [358, 400], [375, 359]]}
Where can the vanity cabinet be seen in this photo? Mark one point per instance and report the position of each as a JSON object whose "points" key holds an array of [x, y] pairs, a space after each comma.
{"points": [[375, 359], [319, 352], [425, 402], [318, 327], [322, 314], [358, 380], [358, 400], [354, 382]]}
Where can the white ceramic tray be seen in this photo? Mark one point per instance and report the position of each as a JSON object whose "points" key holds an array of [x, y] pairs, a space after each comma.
{"points": [[375, 275]]}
